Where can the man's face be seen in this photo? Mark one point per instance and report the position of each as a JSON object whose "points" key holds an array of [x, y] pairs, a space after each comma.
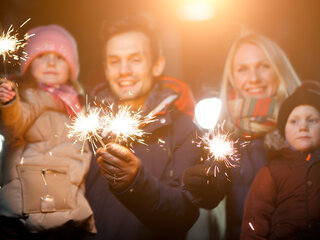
{"points": [[128, 65]]}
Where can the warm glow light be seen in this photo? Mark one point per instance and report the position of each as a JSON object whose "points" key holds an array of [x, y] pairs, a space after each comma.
{"points": [[207, 112], [198, 10]]}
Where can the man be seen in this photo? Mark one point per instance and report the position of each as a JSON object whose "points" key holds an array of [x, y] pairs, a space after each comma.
{"points": [[138, 194]]}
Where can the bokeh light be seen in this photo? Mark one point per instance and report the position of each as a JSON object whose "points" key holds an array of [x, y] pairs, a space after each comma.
{"points": [[207, 112]]}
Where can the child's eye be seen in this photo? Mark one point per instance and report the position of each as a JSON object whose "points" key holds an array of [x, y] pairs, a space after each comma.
{"points": [[293, 121], [314, 120]]}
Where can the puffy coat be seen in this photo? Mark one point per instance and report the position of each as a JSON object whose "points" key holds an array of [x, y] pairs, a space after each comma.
{"points": [[38, 152], [155, 206], [284, 200]]}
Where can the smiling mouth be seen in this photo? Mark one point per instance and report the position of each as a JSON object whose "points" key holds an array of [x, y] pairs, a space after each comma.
{"points": [[304, 138], [255, 91], [126, 83], [51, 73]]}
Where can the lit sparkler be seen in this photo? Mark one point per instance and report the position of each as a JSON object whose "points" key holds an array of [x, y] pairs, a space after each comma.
{"points": [[96, 124], [221, 149], [10, 43], [125, 125], [87, 126]]}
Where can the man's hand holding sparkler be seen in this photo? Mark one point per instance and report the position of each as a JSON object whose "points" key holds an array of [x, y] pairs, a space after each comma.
{"points": [[7, 92], [118, 165]]}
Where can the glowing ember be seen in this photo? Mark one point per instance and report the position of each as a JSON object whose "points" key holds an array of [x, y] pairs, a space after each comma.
{"points": [[251, 226]]}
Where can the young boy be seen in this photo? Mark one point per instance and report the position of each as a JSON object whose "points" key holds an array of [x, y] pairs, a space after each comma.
{"points": [[284, 199]]}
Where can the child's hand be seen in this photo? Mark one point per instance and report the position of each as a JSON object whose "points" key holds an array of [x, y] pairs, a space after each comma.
{"points": [[7, 92]]}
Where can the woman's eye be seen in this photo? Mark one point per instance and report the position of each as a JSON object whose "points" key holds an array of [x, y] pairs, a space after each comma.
{"points": [[242, 69], [265, 65]]}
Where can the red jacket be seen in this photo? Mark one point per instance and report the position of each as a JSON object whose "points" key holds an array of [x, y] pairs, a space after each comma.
{"points": [[284, 199]]}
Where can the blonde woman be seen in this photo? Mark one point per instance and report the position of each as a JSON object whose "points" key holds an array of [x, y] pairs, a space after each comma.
{"points": [[257, 77]]}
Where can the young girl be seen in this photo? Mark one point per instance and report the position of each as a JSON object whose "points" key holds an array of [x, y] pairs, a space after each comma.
{"points": [[283, 201], [43, 171]]}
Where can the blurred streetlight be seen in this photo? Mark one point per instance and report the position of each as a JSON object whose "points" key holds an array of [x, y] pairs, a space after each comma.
{"points": [[207, 112], [195, 10]]}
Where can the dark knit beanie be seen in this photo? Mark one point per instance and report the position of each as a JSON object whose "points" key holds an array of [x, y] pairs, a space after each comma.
{"points": [[306, 94]]}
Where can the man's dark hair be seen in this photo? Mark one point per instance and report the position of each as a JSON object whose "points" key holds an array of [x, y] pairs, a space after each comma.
{"points": [[137, 22]]}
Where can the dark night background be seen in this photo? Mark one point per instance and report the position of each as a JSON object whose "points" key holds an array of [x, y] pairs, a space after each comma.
{"points": [[195, 51]]}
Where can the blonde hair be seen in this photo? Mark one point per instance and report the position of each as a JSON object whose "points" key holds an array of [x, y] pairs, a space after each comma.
{"points": [[287, 77]]}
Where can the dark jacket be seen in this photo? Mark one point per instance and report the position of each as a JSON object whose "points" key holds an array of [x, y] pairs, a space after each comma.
{"points": [[252, 156], [284, 200], [155, 206]]}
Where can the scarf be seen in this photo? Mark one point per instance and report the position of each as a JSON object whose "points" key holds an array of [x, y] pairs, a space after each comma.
{"points": [[253, 116], [66, 96]]}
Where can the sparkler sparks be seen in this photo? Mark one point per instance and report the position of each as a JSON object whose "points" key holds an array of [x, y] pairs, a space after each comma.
{"points": [[10, 43], [221, 149], [124, 126], [96, 124], [87, 126]]}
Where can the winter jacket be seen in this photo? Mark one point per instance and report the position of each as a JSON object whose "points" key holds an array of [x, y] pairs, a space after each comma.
{"points": [[155, 206], [284, 200], [38, 152]]}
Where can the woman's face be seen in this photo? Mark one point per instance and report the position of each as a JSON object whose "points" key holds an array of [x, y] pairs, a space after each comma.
{"points": [[252, 72], [50, 69]]}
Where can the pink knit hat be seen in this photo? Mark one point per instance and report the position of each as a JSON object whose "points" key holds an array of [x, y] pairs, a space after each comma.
{"points": [[52, 38]]}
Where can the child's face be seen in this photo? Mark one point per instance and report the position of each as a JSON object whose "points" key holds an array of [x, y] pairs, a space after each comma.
{"points": [[50, 69], [303, 128]]}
